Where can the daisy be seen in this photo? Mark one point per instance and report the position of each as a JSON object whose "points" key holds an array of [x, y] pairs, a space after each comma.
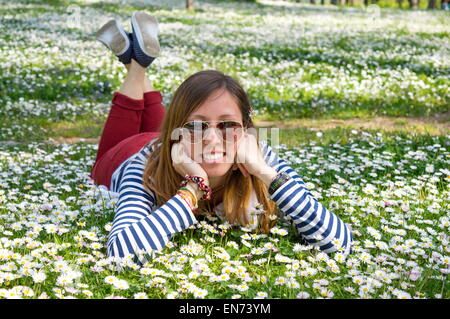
{"points": [[200, 293], [39, 277], [280, 281], [27, 291], [96, 245], [303, 295], [293, 284], [242, 287], [140, 295], [350, 290], [121, 284], [261, 294], [111, 280], [339, 257], [326, 293], [261, 279], [172, 295], [223, 277]]}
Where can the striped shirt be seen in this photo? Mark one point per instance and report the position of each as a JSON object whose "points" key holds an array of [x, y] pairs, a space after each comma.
{"points": [[140, 227]]}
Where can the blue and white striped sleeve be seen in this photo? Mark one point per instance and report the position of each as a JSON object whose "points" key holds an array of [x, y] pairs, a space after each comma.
{"points": [[136, 228], [317, 225]]}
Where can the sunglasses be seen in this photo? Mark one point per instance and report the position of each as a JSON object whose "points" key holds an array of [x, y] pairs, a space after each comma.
{"points": [[227, 130]]}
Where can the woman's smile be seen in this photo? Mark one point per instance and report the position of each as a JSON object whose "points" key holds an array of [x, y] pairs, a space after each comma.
{"points": [[217, 157]]}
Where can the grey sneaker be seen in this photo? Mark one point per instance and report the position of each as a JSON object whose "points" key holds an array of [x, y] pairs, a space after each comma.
{"points": [[145, 38], [114, 37]]}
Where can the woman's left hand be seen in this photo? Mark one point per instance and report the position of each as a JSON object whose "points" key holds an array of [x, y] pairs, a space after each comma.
{"points": [[250, 160]]}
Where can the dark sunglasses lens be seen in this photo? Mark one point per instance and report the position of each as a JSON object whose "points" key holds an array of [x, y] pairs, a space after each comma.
{"points": [[230, 129], [196, 126], [196, 129], [230, 125]]}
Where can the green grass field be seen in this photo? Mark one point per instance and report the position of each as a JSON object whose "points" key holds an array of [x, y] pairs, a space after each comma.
{"points": [[362, 102]]}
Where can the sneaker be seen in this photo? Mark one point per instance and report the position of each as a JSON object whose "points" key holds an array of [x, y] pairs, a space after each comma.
{"points": [[114, 37], [145, 38]]}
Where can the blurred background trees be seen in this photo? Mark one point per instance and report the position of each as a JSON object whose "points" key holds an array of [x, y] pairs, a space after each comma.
{"points": [[411, 4]]}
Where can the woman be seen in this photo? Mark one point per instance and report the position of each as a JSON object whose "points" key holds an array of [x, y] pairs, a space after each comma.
{"points": [[200, 154]]}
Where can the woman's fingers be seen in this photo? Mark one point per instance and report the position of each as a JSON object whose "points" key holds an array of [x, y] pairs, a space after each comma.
{"points": [[241, 154], [243, 170]]}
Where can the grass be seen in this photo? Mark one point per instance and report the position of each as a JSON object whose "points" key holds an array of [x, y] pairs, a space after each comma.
{"points": [[85, 128], [270, 261]]}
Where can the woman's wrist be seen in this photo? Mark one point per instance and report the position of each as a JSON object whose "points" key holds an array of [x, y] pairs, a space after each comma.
{"points": [[280, 179], [267, 174], [199, 185], [189, 197], [193, 187]]}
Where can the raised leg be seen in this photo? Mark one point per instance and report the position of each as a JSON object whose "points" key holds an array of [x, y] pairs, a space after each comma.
{"points": [[154, 111], [124, 119], [133, 85]]}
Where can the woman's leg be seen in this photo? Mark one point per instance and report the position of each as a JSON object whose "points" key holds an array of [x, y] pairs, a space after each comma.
{"points": [[133, 85], [154, 111], [124, 119]]}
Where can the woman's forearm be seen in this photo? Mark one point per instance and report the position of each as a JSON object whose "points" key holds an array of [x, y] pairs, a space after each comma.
{"points": [[131, 235], [319, 226], [267, 175]]}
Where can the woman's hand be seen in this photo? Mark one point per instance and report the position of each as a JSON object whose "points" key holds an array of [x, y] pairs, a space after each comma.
{"points": [[250, 160], [183, 163]]}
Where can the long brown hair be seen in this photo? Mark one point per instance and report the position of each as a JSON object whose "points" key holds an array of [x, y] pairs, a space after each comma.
{"points": [[159, 174]]}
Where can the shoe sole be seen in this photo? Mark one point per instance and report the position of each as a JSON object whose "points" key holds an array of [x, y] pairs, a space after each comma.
{"points": [[113, 36], [145, 29]]}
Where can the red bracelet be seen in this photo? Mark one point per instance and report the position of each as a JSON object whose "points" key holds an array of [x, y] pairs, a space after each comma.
{"points": [[200, 182]]}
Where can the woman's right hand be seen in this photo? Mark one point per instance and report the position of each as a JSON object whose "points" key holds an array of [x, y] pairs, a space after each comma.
{"points": [[183, 163]]}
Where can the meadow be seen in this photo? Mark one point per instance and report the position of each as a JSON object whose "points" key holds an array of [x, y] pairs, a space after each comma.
{"points": [[300, 64]]}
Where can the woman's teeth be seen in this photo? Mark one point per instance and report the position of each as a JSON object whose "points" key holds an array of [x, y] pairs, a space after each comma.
{"points": [[211, 158]]}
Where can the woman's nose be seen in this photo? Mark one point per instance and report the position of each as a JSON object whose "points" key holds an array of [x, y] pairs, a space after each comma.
{"points": [[213, 135]]}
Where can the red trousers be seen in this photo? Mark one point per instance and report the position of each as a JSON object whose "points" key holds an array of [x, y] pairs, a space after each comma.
{"points": [[130, 125]]}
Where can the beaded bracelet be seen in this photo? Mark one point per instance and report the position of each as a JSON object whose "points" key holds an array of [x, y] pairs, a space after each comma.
{"points": [[201, 185], [279, 180]]}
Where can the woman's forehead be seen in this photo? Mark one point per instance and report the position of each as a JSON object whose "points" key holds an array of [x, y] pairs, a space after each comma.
{"points": [[206, 118], [219, 106]]}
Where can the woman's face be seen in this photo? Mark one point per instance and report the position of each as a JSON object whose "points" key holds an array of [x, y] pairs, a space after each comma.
{"points": [[215, 153]]}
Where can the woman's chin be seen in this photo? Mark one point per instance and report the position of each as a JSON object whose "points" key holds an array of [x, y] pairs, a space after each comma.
{"points": [[216, 169]]}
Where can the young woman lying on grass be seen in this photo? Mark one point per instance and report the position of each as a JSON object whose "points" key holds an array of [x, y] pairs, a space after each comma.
{"points": [[200, 155]]}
